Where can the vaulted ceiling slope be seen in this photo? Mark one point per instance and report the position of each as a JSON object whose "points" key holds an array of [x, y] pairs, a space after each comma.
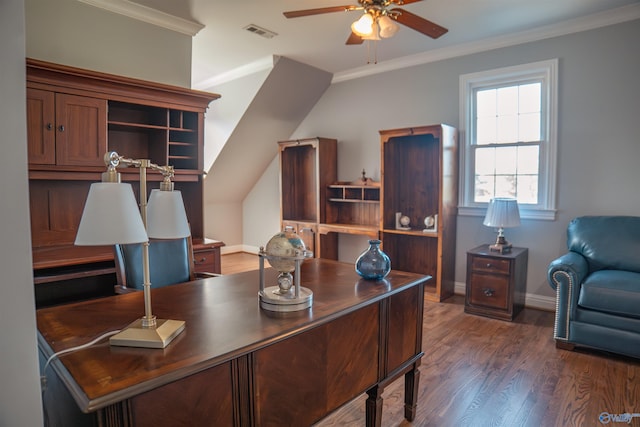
{"points": [[287, 95]]}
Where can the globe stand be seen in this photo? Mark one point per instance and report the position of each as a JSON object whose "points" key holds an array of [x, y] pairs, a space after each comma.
{"points": [[288, 295]]}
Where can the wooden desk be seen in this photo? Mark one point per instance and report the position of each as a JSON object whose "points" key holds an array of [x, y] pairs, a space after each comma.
{"points": [[236, 364]]}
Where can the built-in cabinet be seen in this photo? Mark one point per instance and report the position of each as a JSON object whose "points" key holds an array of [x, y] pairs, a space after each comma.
{"points": [[419, 180], [74, 117]]}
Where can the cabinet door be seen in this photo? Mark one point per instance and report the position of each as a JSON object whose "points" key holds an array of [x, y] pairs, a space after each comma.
{"points": [[40, 127], [81, 130]]}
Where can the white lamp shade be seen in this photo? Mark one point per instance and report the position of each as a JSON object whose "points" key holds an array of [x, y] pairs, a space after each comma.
{"points": [[166, 217], [110, 216], [388, 27], [502, 213]]}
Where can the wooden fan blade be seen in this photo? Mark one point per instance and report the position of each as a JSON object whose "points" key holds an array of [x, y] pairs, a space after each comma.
{"points": [[354, 39], [403, 2], [318, 11], [419, 24]]}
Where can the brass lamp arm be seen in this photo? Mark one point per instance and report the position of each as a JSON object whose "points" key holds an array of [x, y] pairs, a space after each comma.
{"points": [[113, 160]]}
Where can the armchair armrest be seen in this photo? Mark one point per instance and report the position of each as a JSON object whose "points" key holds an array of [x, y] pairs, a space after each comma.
{"points": [[569, 267], [565, 274]]}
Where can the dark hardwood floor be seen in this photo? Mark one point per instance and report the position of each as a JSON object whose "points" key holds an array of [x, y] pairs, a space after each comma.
{"points": [[485, 372]]}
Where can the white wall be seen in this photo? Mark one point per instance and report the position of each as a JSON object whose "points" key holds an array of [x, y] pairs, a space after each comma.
{"points": [[20, 403], [256, 228], [73, 33], [223, 219], [599, 149]]}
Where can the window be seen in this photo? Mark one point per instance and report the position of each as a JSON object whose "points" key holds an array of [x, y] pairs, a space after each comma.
{"points": [[508, 138]]}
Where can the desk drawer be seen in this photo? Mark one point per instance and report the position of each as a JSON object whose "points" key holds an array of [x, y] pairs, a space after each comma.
{"points": [[489, 291], [490, 265]]}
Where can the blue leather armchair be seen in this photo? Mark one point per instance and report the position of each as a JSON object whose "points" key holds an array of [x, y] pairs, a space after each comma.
{"points": [[598, 285]]}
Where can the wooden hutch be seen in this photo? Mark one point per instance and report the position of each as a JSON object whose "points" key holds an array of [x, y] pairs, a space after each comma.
{"points": [[74, 116]]}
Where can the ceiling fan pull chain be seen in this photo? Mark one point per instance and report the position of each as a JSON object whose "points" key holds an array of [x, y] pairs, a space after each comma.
{"points": [[375, 51]]}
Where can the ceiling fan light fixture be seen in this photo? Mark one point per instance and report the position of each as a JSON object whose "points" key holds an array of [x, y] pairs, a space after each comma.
{"points": [[375, 32], [363, 26], [388, 27]]}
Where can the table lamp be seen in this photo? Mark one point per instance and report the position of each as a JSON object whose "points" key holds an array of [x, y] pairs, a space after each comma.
{"points": [[111, 216], [502, 213]]}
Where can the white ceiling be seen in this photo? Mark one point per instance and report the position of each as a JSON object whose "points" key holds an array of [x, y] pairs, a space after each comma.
{"points": [[223, 48]]}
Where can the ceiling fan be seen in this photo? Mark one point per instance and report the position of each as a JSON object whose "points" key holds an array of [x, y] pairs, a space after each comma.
{"points": [[378, 19]]}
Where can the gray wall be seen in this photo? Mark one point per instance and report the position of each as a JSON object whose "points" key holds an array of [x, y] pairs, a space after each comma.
{"points": [[598, 153], [20, 392], [73, 33]]}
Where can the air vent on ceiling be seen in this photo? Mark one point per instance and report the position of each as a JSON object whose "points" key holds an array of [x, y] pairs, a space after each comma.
{"points": [[260, 31]]}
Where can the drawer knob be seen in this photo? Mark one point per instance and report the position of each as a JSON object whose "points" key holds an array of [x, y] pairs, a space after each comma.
{"points": [[488, 292], [488, 265]]}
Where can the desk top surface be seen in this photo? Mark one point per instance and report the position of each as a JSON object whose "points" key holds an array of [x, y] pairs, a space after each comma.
{"points": [[223, 321]]}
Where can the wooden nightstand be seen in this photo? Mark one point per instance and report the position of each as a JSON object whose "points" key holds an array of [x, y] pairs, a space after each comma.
{"points": [[496, 283], [206, 255]]}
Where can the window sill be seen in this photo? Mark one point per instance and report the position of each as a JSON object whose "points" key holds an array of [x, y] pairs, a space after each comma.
{"points": [[536, 214]]}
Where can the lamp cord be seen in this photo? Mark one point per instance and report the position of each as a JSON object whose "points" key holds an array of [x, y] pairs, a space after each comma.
{"points": [[80, 347], [43, 375]]}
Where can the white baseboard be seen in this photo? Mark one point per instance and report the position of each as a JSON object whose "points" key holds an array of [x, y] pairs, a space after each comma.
{"points": [[239, 248], [539, 302]]}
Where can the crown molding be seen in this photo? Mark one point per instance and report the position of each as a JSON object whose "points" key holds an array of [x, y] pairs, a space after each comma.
{"points": [[603, 19], [148, 15]]}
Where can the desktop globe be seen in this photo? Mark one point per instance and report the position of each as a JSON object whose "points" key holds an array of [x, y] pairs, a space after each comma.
{"points": [[282, 249], [285, 251]]}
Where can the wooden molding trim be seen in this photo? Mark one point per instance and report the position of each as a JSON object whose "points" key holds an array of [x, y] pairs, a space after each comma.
{"points": [[148, 15]]}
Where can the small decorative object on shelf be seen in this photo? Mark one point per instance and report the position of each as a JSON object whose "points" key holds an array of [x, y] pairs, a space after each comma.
{"points": [[373, 263], [431, 223], [402, 221], [285, 251], [364, 180]]}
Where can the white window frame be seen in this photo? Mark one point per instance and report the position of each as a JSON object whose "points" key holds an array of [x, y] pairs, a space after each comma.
{"points": [[547, 73]]}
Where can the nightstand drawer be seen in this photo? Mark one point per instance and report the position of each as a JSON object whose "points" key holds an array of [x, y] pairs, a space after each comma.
{"points": [[490, 265], [489, 291]]}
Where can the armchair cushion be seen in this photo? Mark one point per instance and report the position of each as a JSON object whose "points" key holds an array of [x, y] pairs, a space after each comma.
{"points": [[612, 291]]}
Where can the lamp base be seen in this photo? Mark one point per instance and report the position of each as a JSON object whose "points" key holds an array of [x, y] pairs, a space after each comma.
{"points": [[159, 336], [500, 248], [272, 300], [501, 245]]}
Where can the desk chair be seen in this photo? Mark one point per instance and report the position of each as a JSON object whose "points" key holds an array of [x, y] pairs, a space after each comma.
{"points": [[170, 262]]}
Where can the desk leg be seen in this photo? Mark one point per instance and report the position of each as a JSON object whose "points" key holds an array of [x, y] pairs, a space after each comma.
{"points": [[374, 407], [411, 383]]}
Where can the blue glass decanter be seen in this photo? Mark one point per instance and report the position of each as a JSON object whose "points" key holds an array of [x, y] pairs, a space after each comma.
{"points": [[373, 264]]}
